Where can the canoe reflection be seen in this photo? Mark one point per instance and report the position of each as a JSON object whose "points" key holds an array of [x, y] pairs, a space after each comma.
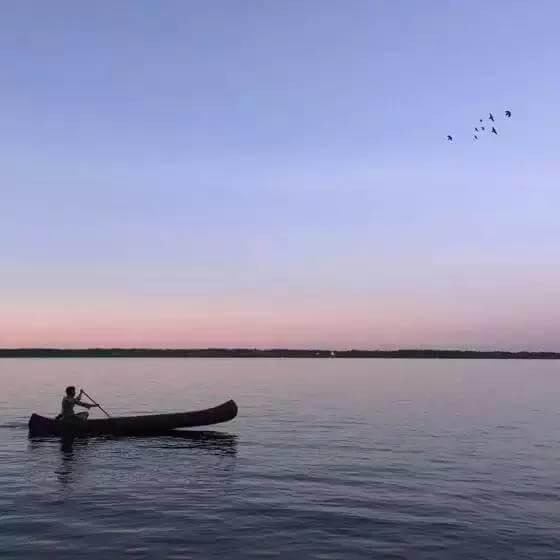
{"points": [[219, 442], [76, 453]]}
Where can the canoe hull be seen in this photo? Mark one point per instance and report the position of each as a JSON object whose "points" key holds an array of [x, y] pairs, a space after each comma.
{"points": [[132, 425]]}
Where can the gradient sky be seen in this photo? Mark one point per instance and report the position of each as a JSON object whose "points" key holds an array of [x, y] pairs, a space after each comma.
{"points": [[276, 174]]}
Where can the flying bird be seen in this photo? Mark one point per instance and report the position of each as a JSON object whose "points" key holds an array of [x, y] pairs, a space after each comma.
{"points": [[494, 130], [491, 117], [480, 120], [476, 128], [482, 128], [475, 137], [450, 138], [508, 114]]}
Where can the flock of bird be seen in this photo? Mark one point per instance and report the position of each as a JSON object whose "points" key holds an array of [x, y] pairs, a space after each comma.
{"points": [[480, 128]]}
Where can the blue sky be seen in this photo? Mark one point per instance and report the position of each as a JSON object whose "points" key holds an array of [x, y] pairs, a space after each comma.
{"points": [[271, 174]]}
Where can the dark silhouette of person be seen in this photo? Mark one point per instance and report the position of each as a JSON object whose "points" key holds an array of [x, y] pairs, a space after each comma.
{"points": [[69, 401]]}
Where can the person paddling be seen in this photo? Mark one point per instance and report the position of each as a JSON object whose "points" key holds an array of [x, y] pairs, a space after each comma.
{"points": [[70, 400]]}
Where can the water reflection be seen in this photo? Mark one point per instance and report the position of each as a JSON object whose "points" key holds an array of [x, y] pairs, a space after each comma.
{"points": [[221, 443], [71, 462], [75, 452]]}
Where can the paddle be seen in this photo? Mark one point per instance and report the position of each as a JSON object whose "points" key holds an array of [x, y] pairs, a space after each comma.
{"points": [[95, 403]]}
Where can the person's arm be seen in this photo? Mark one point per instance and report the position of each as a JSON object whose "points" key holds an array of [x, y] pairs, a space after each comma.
{"points": [[84, 404]]}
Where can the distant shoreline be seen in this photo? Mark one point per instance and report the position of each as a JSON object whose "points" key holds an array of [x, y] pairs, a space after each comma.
{"points": [[271, 353]]}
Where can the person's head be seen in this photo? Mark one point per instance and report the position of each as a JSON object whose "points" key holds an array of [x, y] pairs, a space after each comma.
{"points": [[71, 391]]}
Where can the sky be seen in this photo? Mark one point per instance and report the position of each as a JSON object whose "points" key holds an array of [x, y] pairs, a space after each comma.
{"points": [[277, 174]]}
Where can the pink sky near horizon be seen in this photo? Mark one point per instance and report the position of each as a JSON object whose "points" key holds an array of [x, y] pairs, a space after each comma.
{"points": [[341, 324], [454, 299]]}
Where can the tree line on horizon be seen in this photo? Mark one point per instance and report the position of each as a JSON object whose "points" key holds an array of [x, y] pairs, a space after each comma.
{"points": [[267, 353]]}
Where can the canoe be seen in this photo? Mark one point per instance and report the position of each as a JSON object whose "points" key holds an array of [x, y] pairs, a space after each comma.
{"points": [[131, 425]]}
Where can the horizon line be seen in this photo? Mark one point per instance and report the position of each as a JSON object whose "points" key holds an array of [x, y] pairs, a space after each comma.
{"points": [[269, 348], [270, 352]]}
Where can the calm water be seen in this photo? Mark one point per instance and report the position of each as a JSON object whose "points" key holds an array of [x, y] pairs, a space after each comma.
{"points": [[327, 459]]}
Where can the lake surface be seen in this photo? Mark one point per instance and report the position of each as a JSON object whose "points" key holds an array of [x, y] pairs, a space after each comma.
{"points": [[328, 458]]}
